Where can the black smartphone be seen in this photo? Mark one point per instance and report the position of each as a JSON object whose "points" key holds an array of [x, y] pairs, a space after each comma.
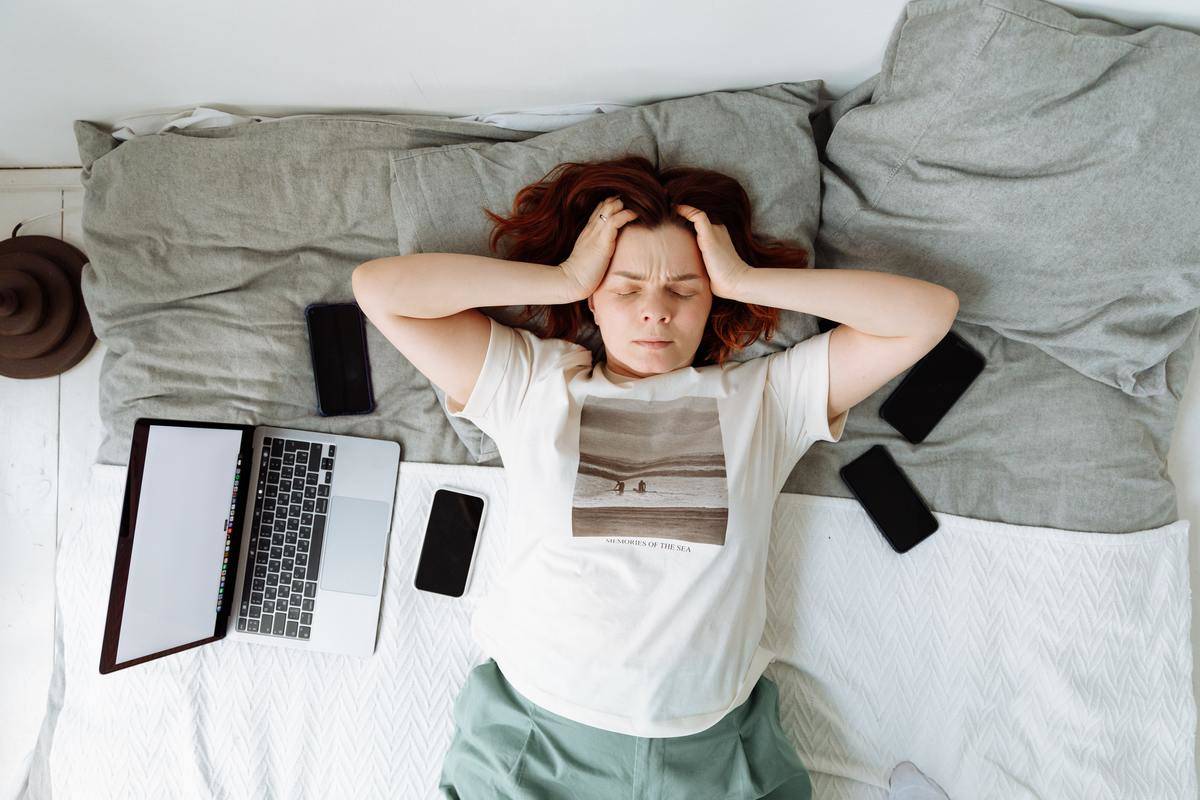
{"points": [[889, 498], [451, 539], [337, 339], [931, 387]]}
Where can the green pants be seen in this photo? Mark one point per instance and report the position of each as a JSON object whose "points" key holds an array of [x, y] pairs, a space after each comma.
{"points": [[507, 748]]}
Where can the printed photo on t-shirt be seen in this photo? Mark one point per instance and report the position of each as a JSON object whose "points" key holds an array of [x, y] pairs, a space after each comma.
{"points": [[652, 470]]}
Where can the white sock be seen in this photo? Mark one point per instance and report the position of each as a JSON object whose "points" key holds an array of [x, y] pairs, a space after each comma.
{"points": [[909, 783]]}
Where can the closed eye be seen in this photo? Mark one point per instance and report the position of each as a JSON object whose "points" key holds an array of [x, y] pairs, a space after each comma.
{"points": [[624, 294]]}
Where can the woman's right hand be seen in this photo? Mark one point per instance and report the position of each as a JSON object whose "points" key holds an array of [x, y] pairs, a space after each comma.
{"points": [[589, 260]]}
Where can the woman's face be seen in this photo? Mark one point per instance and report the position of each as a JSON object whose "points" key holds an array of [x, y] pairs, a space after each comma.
{"points": [[647, 294]]}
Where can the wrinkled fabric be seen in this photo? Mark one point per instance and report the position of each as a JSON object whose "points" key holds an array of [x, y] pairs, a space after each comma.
{"points": [[506, 746], [1040, 164]]}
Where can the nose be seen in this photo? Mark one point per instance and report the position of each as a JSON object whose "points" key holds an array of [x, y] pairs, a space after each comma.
{"points": [[657, 304], [656, 307]]}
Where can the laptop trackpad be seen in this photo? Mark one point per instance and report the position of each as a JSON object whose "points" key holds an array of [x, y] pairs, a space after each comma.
{"points": [[355, 537]]}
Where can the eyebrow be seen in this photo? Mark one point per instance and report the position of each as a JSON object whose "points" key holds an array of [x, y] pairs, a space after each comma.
{"points": [[670, 278]]}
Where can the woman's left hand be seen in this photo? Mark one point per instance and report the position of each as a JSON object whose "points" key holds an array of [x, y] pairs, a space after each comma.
{"points": [[725, 267]]}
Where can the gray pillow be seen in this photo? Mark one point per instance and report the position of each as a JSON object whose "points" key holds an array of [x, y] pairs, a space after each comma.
{"points": [[763, 137], [205, 245], [1042, 166]]}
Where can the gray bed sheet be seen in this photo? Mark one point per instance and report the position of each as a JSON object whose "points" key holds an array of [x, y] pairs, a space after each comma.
{"points": [[206, 245]]}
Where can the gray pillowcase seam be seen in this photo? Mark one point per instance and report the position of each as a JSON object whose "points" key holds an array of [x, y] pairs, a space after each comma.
{"points": [[961, 81], [421, 152], [397, 190], [1089, 36]]}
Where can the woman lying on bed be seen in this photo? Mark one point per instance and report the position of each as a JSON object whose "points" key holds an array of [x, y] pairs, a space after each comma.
{"points": [[624, 639]]}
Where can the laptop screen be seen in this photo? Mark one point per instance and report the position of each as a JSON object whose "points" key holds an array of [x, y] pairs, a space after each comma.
{"points": [[182, 532]]}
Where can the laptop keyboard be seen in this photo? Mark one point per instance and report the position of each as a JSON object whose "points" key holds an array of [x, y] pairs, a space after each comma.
{"points": [[290, 509]]}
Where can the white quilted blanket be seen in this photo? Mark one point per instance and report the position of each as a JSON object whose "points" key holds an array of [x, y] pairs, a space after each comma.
{"points": [[1005, 661]]}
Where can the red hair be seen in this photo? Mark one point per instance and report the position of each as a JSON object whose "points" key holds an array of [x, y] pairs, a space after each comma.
{"points": [[549, 215]]}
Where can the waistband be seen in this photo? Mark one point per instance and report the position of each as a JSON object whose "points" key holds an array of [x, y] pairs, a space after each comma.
{"points": [[762, 700]]}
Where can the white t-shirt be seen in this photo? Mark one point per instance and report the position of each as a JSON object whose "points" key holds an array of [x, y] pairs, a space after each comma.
{"points": [[640, 509]]}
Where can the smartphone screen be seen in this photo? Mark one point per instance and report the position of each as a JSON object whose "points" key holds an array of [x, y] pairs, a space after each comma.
{"points": [[889, 498], [931, 387], [338, 340], [449, 546]]}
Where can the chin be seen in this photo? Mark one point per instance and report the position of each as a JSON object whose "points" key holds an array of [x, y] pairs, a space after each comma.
{"points": [[663, 361]]}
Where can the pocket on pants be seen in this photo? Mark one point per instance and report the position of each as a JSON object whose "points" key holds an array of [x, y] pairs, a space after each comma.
{"points": [[769, 759], [466, 689], [491, 733]]}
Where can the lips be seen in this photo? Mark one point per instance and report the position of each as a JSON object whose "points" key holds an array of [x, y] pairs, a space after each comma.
{"points": [[652, 344]]}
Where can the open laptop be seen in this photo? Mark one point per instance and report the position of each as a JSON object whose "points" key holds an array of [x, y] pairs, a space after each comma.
{"points": [[275, 536]]}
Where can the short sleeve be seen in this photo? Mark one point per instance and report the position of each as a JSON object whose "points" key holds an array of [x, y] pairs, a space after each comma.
{"points": [[798, 379], [515, 360]]}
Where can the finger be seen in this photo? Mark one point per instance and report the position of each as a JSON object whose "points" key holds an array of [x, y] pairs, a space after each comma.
{"points": [[601, 206], [605, 205], [701, 224], [622, 217], [616, 218]]}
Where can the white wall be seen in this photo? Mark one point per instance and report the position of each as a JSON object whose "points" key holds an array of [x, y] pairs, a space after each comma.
{"points": [[62, 60]]}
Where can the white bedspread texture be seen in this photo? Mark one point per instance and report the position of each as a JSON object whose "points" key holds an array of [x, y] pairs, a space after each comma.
{"points": [[1006, 661]]}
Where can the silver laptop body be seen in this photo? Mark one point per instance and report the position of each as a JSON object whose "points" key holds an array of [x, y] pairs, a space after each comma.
{"points": [[314, 541]]}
